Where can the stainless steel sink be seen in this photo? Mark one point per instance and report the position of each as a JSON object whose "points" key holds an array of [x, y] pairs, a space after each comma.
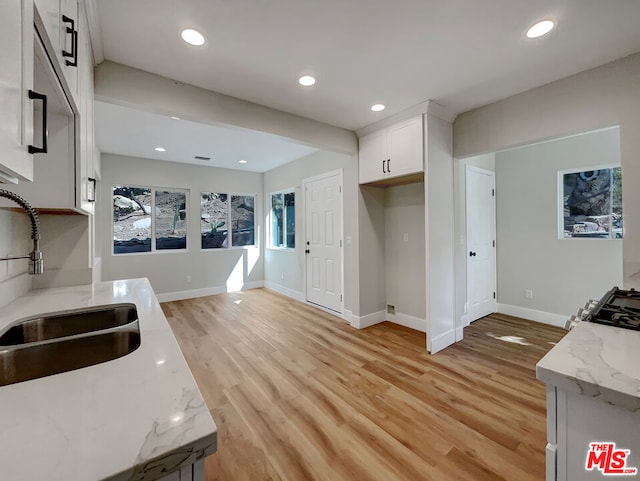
{"points": [[32, 361], [64, 341], [68, 323]]}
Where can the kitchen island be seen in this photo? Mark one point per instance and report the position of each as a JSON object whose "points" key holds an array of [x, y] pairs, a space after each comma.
{"points": [[138, 417], [593, 396]]}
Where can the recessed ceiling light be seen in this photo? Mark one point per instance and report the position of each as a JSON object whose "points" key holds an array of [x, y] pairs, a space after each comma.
{"points": [[242, 161], [192, 37], [160, 149], [175, 118], [541, 28], [377, 107], [307, 80]]}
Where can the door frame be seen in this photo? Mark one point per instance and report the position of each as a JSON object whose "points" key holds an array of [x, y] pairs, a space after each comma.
{"points": [[305, 181], [472, 168]]}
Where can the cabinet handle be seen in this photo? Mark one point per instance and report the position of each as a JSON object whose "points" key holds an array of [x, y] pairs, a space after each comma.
{"points": [[32, 148], [74, 42], [91, 198], [383, 169], [389, 166]]}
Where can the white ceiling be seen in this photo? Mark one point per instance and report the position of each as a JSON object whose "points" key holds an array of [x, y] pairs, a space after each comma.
{"points": [[125, 131], [460, 53]]}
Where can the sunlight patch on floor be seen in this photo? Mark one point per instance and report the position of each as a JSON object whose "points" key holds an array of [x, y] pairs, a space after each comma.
{"points": [[512, 339]]}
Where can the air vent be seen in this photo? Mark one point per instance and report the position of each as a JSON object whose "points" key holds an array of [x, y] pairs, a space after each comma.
{"points": [[200, 157]]}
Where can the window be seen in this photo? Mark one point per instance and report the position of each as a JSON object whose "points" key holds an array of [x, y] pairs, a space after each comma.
{"points": [[139, 211], [591, 203], [282, 220], [220, 212]]}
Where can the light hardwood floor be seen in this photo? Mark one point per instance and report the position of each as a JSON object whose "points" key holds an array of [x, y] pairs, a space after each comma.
{"points": [[298, 394]]}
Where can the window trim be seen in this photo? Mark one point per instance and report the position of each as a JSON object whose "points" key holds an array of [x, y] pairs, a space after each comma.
{"points": [[560, 200], [256, 237], [153, 250], [269, 245]]}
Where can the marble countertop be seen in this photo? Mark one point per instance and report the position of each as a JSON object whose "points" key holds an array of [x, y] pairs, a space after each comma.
{"points": [[133, 418], [597, 361]]}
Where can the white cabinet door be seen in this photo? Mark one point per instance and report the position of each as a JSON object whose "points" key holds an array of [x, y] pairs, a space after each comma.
{"points": [[392, 152], [85, 159], [372, 156], [405, 148], [73, 34], [49, 11], [16, 79]]}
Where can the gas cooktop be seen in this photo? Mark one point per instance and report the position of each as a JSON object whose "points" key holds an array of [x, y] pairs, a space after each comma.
{"points": [[618, 308]]}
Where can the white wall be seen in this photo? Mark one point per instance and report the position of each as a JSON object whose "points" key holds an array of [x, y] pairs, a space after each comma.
{"points": [[290, 264], [562, 274], [210, 270], [605, 96], [15, 240], [371, 265], [439, 237], [404, 260]]}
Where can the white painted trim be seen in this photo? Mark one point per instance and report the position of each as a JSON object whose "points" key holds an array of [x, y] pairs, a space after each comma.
{"points": [[442, 341], [368, 320], [459, 334], [285, 291], [408, 321], [440, 111], [427, 107], [207, 291], [95, 31], [533, 315], [464, 320]]}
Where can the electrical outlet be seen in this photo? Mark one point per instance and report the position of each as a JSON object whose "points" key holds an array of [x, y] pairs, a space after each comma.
{"points": [[282, 276], [528, 293], [405, 237], [188, 279]]}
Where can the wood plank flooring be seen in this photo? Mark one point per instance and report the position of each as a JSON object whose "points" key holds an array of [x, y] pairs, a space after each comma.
{"points": [[298, 394]]}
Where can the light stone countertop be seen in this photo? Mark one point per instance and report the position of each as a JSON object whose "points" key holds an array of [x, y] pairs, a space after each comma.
{"points": [[598, 361], [132, 418]]}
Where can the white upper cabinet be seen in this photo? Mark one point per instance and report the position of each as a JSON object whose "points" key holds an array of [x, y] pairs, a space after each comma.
{"points": [[59, 27], [49, 11], [393, 152], [73, 34], [16, 80], [59, 121]]}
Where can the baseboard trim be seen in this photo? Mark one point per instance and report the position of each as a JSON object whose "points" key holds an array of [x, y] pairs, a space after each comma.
{"points": [[207, 291], [285, 291], [440, 342], [368, 320], [550, 318], [459, 334], [408, 321]]}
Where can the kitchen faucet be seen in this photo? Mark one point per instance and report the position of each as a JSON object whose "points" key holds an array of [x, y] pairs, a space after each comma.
{"points": [[36, 264]]}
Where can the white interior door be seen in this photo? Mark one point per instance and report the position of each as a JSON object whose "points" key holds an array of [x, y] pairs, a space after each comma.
{"points": [[481, 252], [323, 243]]}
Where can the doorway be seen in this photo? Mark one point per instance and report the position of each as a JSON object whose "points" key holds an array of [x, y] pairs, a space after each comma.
{"points": [[481, 243], [323, 241]]}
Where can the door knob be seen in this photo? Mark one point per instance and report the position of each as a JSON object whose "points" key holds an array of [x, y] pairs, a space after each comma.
{"points": [[472, 254]]}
